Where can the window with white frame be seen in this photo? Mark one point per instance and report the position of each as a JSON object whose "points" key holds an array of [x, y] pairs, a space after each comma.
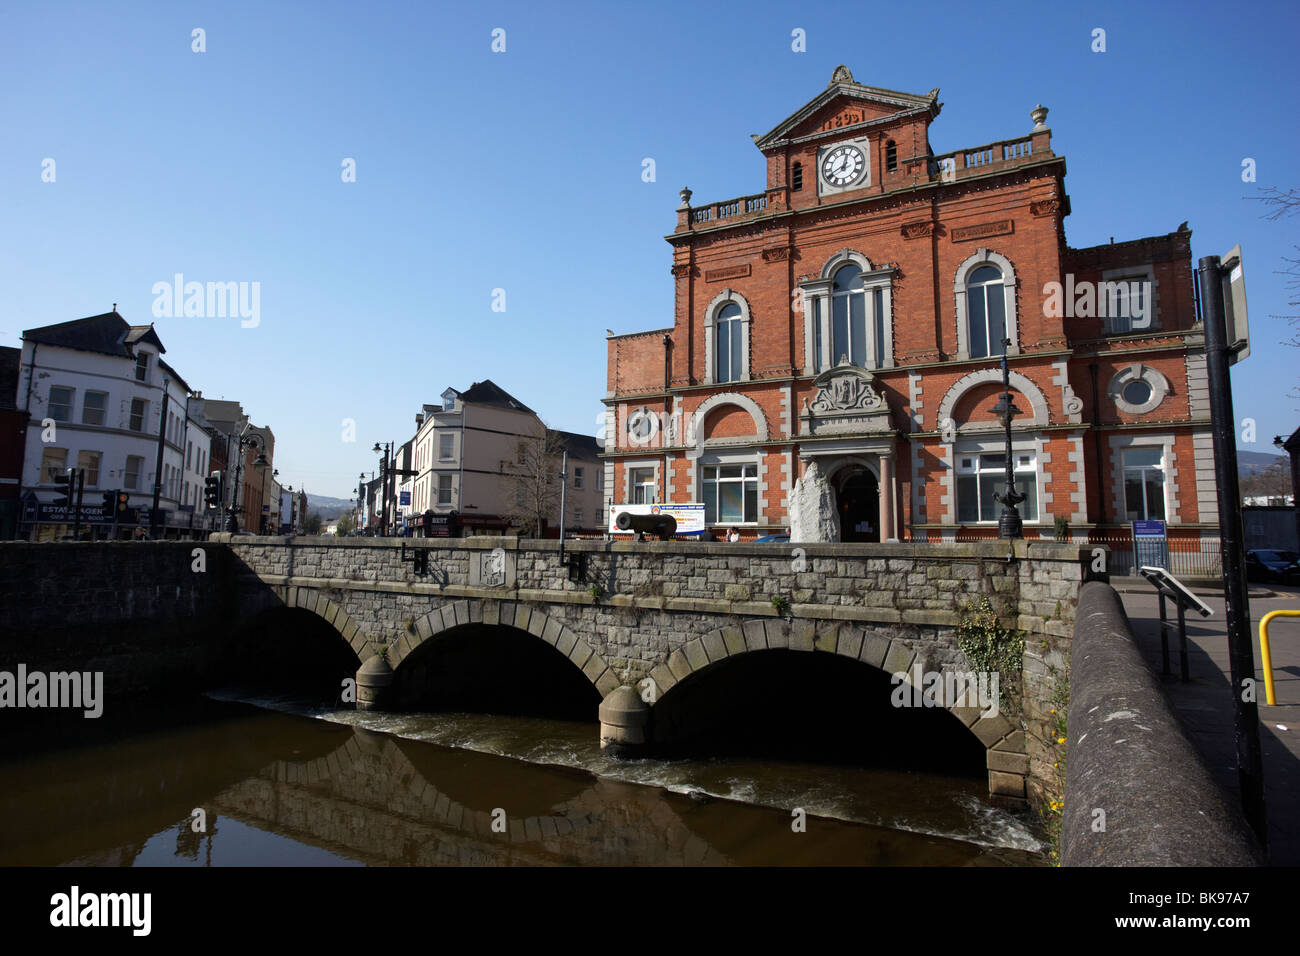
{"points": [[577, 515], [577, 477], [445, 447], [88, 461], [444, 489], [857, 332], [986, 309], [644, 488], [54, 461], [981, 475], [1144, 483], [729, 351], [93, 408], [848, 314], [61, 403], [984, 290], [134, 465], [1127, 301], [730, 493], [142, 367]]}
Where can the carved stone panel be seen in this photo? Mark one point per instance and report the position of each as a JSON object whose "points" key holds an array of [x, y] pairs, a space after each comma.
{"points": [[846, 402], [492, 569]]}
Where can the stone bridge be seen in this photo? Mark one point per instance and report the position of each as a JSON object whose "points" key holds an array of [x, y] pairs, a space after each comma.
{"points": [[640, 620]]}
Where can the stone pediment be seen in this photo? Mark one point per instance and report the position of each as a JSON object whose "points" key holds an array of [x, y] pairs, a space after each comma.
{"points": [[847, 402], [846, 102]]}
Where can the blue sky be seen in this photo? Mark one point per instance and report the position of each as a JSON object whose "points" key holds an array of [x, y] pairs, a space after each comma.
{"points": [[521, 171]]}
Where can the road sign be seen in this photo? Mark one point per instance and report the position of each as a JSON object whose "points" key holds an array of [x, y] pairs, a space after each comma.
{"points": [[1234, 306]]}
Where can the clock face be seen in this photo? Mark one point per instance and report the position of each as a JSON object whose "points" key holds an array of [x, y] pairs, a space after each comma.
{"points": [[843, 165]]}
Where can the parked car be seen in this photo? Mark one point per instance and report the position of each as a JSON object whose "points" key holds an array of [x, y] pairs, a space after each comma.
{"points": [[773, 539], [1272, 567]]}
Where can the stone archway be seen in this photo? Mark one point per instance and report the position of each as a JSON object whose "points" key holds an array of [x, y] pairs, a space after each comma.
{"points": [[521, 617], [1007, 757], [313, 601]]}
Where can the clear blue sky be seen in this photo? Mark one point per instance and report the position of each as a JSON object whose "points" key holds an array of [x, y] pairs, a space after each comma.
{"points": [[522, 171]]}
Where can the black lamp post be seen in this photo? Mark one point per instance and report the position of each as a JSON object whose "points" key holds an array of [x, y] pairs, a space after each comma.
{"points": [[246, 440], [1009, 523], [361, 500], [383, 482]]}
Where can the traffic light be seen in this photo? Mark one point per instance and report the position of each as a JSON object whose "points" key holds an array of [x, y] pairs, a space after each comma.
{"points": [[66, 488], [212, 489], [109, 503], [123, 500]]}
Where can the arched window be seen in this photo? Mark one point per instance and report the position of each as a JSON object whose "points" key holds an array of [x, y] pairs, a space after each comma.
{"points": [[986, 309], [730, 348], [849, 316], [891, 156], [796, 177]]}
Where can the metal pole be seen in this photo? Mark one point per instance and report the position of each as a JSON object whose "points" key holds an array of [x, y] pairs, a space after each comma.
{"points": [[1182, 643], [1164, 637], [564, 480], [1241, 657], [77, 484], [158, 465]]}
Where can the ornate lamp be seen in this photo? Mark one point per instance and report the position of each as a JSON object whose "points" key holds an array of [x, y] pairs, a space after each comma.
{"points": [[1009, 523]]}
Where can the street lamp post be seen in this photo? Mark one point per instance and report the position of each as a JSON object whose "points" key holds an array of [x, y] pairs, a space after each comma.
{"points": [[361, 500], [1009, 523], [246, 439], [383, 484]]}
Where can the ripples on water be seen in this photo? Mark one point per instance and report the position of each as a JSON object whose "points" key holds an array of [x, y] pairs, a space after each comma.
{"points": [[921, 803]]}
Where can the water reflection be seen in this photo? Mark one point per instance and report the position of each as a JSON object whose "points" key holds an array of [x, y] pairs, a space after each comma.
{"points": [[281, 789]]}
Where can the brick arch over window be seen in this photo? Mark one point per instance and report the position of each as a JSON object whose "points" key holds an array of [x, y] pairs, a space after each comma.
{"points": [[508, 614], [695, 432], [865, 645], [720, 301], [986, 257], [1019, 381]]}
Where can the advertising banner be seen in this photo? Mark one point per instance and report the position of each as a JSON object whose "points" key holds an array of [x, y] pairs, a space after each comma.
{"points": [[690, 517]]}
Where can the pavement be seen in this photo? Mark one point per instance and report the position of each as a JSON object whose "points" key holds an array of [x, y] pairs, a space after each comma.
{"points": [[1204, 705]]}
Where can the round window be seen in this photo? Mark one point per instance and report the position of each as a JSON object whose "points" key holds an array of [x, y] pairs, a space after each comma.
{"points": [[1137, 392]]}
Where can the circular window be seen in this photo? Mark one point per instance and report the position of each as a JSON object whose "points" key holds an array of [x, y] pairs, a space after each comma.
{"points": [[1138, 389], [641, 426], [1137, 392]]}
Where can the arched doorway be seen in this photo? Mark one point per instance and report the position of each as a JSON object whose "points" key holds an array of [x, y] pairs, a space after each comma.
{"points": [[857, 495]]}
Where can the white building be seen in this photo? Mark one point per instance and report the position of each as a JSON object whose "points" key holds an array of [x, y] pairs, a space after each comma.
{"points": [[99, 396]]}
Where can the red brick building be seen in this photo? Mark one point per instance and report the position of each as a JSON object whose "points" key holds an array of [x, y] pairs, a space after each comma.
{"points": [[844, 326]]}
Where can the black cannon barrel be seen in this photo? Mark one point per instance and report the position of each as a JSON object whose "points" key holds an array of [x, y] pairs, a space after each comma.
{"points": [[665, 526]]}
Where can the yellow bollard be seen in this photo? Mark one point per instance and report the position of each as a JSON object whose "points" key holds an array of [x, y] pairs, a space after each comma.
{"points": [[1265, 658]]}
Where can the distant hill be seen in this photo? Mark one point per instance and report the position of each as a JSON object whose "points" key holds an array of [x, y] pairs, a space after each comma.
{"points": [[328, 508], [1254, 462]]}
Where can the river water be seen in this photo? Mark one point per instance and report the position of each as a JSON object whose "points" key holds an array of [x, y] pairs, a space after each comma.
{"points": [[281, 781]]}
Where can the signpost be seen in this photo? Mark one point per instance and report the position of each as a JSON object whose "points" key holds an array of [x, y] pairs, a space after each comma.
{"points": [[1221, 286]]}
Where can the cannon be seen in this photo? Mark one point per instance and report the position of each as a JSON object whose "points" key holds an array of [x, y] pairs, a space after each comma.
{"points": [[665, 526]]}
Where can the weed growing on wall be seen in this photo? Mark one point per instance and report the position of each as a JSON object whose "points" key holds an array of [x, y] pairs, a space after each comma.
{"points": [[990, 647]]}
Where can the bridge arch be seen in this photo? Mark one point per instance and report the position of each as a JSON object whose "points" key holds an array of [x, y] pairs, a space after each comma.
{"points": [[333, 614], [889, 656], [517, 615]]}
